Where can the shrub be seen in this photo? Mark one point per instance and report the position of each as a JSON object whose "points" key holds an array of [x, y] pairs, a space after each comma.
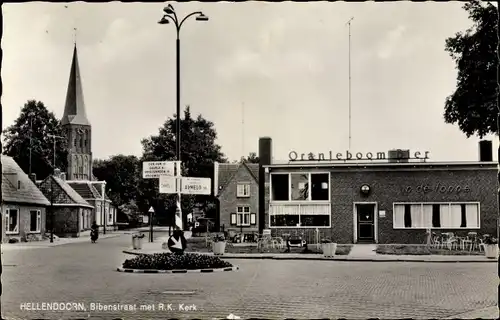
{"points": [[326, 240], [138, 235], [168, 261], [13, 240], [490, 240], [218, 238]]}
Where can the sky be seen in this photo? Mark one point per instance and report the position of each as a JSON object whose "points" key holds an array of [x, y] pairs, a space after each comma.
{"points": [[255, 69]]}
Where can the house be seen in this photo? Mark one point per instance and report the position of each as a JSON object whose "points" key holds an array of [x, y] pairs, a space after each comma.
{"points": [[105, 211], [71, 213], [236, 188], [23, 204], [381, 197]]}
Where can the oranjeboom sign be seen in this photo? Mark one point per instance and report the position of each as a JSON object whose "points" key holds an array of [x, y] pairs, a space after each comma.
{"points": [[400, 154]]}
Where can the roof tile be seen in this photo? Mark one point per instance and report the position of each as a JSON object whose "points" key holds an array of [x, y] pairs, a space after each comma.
{"points": [[29, 192]]}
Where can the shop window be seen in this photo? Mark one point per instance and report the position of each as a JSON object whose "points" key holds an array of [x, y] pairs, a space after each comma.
{"points": [[315, 221], [35, 220], [280, 187], [436, 215], [320, 186], [12, 223], [300, 186], [285, 220]]}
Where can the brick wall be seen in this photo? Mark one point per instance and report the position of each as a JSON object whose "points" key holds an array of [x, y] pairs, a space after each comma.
{"points": [[389, 186], [229, 201], [24, 223], [66, 223]]}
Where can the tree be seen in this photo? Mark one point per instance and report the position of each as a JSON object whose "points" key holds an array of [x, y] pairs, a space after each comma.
{"points": [[31, 131], [122, 174], [252, 158], [198, 153], [473, 105]]}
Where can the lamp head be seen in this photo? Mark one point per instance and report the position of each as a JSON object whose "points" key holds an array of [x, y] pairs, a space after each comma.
{"points": [[163, 21], [202, 17], [169, 9]]}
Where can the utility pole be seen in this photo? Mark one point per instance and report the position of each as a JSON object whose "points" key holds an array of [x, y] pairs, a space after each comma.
{"points": [[51, 189], [31, 137], [349, 24]]}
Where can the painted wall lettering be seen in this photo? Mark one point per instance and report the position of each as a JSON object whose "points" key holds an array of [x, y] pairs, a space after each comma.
{"points": [[331, 156], [437, 188]]}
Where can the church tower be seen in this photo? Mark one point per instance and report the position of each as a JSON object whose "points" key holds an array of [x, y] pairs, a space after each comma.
{"points": [[77, 128]]}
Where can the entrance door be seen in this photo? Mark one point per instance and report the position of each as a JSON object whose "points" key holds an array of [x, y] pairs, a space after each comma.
{"points": [[366, 222]]}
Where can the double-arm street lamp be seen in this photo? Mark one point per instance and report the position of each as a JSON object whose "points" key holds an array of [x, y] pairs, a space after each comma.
{"points": [[171, 16]]}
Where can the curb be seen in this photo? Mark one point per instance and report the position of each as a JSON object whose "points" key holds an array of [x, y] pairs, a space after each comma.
{"points": [[211, 270], [484, 313], [332, 259]]}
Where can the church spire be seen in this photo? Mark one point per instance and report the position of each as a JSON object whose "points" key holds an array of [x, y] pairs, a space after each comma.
{"points": [[74, 110]]}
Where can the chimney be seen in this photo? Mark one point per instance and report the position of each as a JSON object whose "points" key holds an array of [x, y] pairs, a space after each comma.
{"points": [[57, 172], [485, 151], [265, 157], [33, 177]]}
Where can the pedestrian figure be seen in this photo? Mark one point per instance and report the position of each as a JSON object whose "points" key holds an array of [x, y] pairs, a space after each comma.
{"points": [[94, 232]]}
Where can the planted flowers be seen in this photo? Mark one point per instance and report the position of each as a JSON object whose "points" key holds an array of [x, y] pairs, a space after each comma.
{"points": [[169, 261]]}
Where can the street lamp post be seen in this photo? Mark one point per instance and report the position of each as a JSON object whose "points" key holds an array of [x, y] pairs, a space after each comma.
{"points": [[170, 14]]}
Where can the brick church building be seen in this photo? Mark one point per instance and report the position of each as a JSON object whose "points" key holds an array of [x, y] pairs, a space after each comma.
{"points": [[78, 133]]}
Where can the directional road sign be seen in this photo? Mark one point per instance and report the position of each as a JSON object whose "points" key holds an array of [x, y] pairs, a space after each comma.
{"points": [[154, 169], [196, 185], [168, 184]]}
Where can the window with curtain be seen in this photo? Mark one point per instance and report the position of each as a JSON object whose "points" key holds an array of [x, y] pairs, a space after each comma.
{"points": [[453, 215]]}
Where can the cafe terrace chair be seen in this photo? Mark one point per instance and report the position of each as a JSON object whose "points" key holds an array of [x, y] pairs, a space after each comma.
{"points": [[451, 241], [469, 241]]}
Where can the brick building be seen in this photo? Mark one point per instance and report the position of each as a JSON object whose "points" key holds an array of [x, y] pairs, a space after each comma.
{"points": [[23, 204], [78, 133], [384, 200], [72, 214], [236, 187]]}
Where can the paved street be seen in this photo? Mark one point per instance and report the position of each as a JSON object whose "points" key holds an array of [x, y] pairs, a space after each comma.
{"points": [[83, 272]]}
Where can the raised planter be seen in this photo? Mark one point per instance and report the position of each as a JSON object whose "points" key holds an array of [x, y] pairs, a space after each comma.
{"points": [[491, 251], [329, 249], [219, 248], [208, 270]]}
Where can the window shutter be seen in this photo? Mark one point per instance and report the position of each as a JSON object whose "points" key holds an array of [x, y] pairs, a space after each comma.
{"points": [[233, 218], [253, 218]]}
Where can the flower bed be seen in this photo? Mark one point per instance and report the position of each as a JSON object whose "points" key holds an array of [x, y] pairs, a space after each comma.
{"points": [[194, 245], [402, 249], [169, 261]]}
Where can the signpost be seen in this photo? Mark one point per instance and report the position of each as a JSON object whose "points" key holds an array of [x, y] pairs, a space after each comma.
{"points": [[172, 182], [151, 211], [155, 169]]}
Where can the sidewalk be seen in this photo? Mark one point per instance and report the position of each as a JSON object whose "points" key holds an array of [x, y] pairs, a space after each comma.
{"points": [[58, 241], [155, 247]]}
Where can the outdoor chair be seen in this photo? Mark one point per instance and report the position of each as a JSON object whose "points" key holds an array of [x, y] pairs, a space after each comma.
{"points": [[469, 241], [451, 241], [436, 240]]}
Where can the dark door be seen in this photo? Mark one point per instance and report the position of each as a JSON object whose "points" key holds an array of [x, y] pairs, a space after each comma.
{"points": [[366, 222]]}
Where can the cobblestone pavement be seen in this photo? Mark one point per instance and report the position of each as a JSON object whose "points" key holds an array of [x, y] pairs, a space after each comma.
{"points": [[85, 273]]}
